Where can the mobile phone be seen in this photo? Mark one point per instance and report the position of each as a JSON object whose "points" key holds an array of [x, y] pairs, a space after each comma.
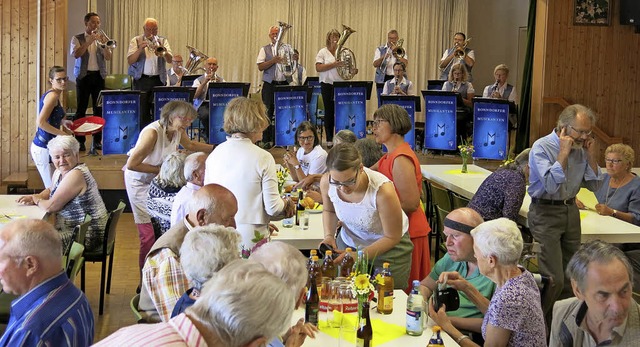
{"points": [[324, 248], [448, 296]]}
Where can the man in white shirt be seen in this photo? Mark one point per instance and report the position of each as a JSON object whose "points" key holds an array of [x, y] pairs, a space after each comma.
{"points": [[194, 174], [384, 59], [90, 70]]}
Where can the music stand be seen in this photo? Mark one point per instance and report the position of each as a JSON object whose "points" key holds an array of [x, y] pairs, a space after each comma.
{"points": [[350, 104], [187, 81], [411, 103], [162, 95], [290, 112], [219, 95], [435, 84], [491, 134]]}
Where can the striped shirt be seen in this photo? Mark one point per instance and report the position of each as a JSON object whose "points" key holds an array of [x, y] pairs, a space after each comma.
{"points": [[54, 313], [179, 331]]}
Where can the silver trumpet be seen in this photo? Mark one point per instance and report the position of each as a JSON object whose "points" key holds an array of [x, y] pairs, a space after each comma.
{"points": [[103, 40]]}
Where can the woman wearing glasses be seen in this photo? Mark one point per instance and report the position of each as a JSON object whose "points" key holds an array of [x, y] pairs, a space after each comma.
{"points": [[51, 123], [310, 159], [368, 207]]}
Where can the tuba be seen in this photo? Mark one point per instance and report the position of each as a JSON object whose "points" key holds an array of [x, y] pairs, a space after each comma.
{"points": [[285, 51], [346, 56], [104, 41], [398, 51], [196, 57]]}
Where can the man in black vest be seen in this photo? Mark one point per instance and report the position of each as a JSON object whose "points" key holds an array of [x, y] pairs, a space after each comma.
{"points": [[90, 69]]}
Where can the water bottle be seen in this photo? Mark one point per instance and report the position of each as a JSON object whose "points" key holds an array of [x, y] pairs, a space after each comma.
{"points": [[415, 315], [288, 222]]}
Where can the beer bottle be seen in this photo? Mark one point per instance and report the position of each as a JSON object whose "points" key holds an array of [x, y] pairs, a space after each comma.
{"points": [[436, 340], [299, 207], [312, 305], [347, 263], [385, 291], [414, 311], [364, 335], [328, 269]]}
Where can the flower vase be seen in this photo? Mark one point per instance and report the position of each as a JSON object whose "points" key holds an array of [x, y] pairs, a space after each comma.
{"points": [[281, 189], [464, 164]]}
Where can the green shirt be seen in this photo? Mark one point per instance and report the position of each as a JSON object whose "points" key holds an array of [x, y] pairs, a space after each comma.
{"points": [[484, 285]]}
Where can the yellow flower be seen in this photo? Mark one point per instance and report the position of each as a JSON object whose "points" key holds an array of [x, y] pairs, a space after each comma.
{"points": [[362, 281]]}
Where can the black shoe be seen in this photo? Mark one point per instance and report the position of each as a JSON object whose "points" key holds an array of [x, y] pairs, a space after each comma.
{"points": [[97, 146], [82, 147]]}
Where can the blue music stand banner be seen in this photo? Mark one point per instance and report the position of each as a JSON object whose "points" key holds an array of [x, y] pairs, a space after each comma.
{"points": [[490, 129], [121, 113], [290, 110], [313, 102], [162, 95], [218, 100], [410, 107], [351, 109], [440, 120]]}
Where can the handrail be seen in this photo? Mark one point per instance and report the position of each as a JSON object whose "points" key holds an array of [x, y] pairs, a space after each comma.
{"points": [[609, 140]]}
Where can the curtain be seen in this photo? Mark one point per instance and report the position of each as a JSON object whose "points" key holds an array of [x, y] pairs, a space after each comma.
{"points": [[524, 118], [234, 31]]}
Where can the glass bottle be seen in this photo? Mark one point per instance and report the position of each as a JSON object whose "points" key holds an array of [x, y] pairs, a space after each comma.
{"points": [[385, 291], [299, 207], [364, 335], [312, 305], [414, 311], [288, 222]]}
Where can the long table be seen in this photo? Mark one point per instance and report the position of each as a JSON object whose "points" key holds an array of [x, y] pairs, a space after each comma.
{"points": [[11, 210], [302, 239], [397, 317], [594, 226]]}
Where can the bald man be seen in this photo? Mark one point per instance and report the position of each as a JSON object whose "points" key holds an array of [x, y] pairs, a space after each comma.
{"points": [[163, 280], [50, 310], [460, 261], [174, 75], [202, 88]]}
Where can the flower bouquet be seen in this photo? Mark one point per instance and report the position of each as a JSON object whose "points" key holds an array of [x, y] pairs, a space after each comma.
{"points": [[466, 150], [282, 174], [363, 285]]}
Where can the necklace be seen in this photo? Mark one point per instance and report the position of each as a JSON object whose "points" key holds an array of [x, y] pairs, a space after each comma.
{"points": [[608, 198]]}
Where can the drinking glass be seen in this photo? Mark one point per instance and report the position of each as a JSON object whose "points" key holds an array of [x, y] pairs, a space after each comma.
{"points": [[304, 220]]}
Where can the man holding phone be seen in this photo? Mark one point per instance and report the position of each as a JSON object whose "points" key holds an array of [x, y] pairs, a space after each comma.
{"points": [[560, 164], [459, 268]]}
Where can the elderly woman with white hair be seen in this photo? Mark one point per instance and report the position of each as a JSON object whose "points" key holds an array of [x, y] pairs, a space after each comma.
{"points": [[194, 175], [156, 141], [241, 305], [514, 315], [205, 251], [287, 263], [163, 189], [72, 194]]}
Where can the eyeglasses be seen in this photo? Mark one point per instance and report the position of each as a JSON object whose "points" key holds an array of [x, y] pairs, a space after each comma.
{"points": [[581, 132], [613, 161], [349, 183], [61, 79], [178, 61], [305, 138], [376, 123]]}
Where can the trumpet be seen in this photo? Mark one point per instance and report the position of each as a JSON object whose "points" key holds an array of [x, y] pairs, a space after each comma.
{"points": [[103, 40], [459, 51], [154, 44]]}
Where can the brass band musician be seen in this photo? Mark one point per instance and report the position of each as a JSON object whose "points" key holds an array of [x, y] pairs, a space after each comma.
{"points": [[147, 58], [385, 57], [175, 73], [90, 70], [459, 53], [202, 88]]}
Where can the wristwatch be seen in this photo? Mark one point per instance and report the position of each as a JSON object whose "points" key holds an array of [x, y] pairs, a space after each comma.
{"points": [[296, 167], [614, 213]]}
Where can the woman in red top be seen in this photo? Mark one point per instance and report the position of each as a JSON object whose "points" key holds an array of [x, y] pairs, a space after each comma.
{"points": [[400, 164]]}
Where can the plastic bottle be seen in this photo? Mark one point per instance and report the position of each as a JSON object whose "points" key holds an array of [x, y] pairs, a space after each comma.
{"points": [[436, 340], [347, 263], [415, 315], [311, 254], [315, 272], [328, 268], [385, 291]]}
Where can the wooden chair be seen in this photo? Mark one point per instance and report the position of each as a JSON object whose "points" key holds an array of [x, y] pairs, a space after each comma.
{"points": [[107, 251]]}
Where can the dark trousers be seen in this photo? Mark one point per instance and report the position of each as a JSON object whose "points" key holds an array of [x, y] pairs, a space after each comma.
{"points": [[329, 110], [89, 86], [268, 89], [380, 87], [145, 84]]}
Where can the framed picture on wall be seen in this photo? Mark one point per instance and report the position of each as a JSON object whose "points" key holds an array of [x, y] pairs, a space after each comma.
{"points": [[591, 12]]}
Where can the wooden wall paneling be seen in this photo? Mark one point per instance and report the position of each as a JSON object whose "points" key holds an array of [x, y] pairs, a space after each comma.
{"points": [[5, 79], [15, 83], [32, 100]]}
